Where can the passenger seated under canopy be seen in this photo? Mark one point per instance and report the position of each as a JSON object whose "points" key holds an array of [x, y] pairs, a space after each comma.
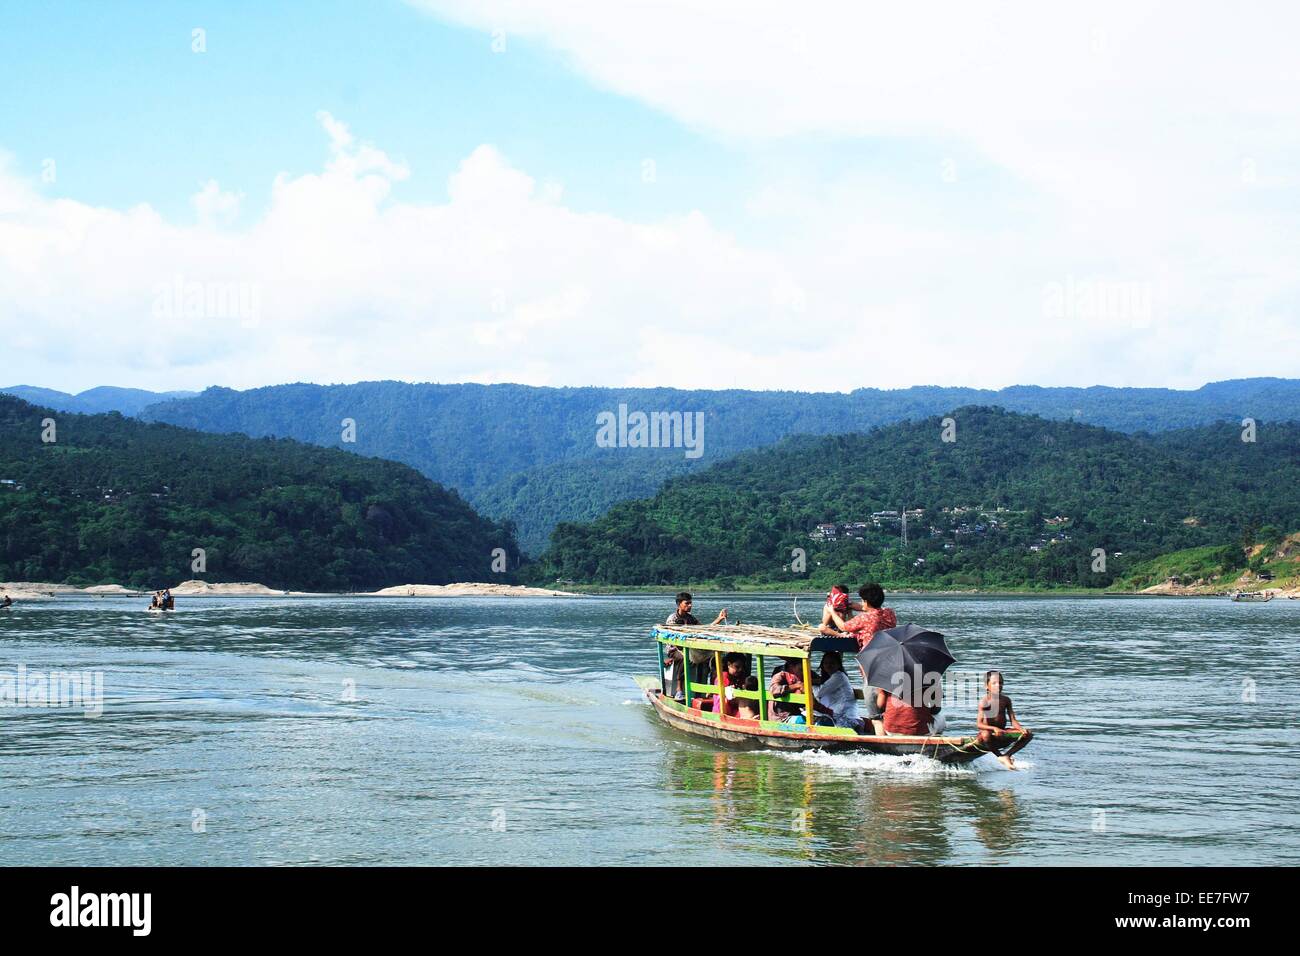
{"points": [[834, 695], [788, 679]]}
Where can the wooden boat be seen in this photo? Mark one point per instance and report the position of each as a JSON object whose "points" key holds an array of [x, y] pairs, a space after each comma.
{"points": [[770, 642], [1257, 596]]}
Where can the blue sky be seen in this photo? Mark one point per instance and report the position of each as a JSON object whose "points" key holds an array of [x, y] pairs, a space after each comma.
{"points": [[114, 92], [1039, 196]]}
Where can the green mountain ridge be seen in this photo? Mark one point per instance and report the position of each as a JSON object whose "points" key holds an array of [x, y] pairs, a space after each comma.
{"points": [[1043, 497], [116, 500], [529, 455], [103, 398]]}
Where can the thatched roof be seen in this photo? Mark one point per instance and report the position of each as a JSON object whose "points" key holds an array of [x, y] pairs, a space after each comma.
{"points": [[799, 640]]}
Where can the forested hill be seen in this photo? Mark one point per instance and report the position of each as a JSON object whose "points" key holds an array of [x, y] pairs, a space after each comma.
{"points": [[530, 454], [112, 499], [1014, 500], [105, 398]]}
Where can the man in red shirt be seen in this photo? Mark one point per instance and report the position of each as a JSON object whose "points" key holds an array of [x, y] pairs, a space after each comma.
{"points": [[863, 626], [874, 617], [902, 718]]}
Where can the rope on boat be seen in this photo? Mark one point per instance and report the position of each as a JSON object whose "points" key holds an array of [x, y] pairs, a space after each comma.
{"points": [[974, 743]]}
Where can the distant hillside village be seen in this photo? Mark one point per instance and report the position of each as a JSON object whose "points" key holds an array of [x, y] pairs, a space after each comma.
{"points": [[102, 491], [953, 523]]}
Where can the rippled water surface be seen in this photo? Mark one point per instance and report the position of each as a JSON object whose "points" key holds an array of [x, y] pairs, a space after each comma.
{"points": [[340, 731]]}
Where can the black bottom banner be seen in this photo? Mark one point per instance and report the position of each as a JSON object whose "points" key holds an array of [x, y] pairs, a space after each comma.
{"points": [[337, 905]]}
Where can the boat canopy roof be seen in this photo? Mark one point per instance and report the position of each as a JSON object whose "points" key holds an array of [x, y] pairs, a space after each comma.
{"points": [[753, 639]]}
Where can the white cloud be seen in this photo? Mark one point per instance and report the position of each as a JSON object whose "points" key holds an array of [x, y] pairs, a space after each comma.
{"points": [[486, 179], [340, 281], [213, 205], [1143, 141], [1090, 150], [339, 134]]}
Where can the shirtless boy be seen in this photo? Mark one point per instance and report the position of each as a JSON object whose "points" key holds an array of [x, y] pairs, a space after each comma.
{"points": [[991, 721]]}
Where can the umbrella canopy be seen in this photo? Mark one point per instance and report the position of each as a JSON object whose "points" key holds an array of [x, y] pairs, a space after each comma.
{"points": [[905, 660]]}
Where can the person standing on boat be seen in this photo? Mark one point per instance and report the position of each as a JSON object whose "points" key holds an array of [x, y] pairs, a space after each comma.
{"points": [[7, 601], [701, 661], [683, 613]]}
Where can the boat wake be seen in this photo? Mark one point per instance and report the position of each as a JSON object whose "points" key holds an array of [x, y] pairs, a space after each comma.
{"points": [[913, 765]]}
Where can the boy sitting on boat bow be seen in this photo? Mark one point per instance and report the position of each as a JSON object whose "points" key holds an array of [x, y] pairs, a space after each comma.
{"points": [[991, 720]]}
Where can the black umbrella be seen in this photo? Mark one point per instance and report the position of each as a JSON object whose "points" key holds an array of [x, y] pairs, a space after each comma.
{"points": [[905, 661]]}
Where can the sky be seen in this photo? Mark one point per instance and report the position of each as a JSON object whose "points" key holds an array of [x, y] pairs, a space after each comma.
{"points": [[815, 196]]}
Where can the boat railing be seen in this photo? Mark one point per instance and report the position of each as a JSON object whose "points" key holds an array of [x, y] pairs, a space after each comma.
{"points": [[693, 689], [710, 690]]}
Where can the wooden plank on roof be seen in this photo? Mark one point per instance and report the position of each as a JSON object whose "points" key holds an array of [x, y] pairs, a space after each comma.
{"points": [[757, 635], [755, 639]]}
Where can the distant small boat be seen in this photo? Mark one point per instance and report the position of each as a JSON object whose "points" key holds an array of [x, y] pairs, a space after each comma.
{"points": [[160, 610], [1253, 596]]}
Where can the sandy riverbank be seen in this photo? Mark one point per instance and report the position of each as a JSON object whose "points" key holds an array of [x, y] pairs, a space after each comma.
{"points": [[36, 591], [467, 590], [111, 590], [1194, 590], [196, 588]]}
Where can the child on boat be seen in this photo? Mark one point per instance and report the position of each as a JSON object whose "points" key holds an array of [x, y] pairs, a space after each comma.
{"points": [[735, 668], [788, 679], [747, 708], [874, 616], [838, 606], [994, 712]]}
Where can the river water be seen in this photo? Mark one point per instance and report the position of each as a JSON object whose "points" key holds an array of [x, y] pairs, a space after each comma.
{"points": [[468, 731]]}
